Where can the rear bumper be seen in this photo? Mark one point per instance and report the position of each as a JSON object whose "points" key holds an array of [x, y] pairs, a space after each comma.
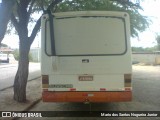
{"points": [[49, 96]]}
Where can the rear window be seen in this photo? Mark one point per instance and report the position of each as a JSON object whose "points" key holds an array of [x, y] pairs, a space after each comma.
{"points": [[93, 35]]}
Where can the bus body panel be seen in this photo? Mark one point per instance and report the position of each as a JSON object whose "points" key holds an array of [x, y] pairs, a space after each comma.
{"points": [[102, 96], [92, 61], [109, 82]]}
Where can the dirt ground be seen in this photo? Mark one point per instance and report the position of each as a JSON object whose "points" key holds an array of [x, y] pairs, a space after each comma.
{"points": [[154, 71], [33, 95], [146, 96]]}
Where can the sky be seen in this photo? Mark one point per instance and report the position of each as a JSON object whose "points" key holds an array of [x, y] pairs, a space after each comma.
{"points": [[146, 39]]}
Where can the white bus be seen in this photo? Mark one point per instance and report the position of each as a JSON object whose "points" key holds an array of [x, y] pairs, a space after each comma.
{"points": [[86, 57]]}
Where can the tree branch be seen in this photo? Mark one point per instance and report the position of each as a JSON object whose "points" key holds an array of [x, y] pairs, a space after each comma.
{"points": [[17, 3], [30, 7], [55, 2], [41, 5], [129, 3], [38, 23], [6, 8], [35, 31], [15, 22]]}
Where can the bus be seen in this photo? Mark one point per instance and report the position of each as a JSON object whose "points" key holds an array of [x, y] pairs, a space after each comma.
{"points": [[86, 57]]}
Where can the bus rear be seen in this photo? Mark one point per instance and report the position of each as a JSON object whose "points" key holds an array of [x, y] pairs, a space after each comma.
{"points": [[86, 57]]}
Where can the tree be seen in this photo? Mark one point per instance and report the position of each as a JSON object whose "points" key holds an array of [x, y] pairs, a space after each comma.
{"points": [[138, 22], [21, 17], [5, 12]]}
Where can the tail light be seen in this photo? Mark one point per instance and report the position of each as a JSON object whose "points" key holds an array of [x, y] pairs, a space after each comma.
{"points": [[45, 81], [127, 82]]}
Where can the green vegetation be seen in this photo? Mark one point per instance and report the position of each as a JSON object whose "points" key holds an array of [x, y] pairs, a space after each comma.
{"points": [[148, 49], [138, 22], [158, 42], [144, 50], [16, 55], [30, 57], [3, 45]]}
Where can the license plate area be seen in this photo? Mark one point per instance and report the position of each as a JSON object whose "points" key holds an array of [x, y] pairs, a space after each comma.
{"points": [[85, 78]]}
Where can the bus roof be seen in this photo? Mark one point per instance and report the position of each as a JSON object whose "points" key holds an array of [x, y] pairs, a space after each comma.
{"points": [[89, 13]]}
